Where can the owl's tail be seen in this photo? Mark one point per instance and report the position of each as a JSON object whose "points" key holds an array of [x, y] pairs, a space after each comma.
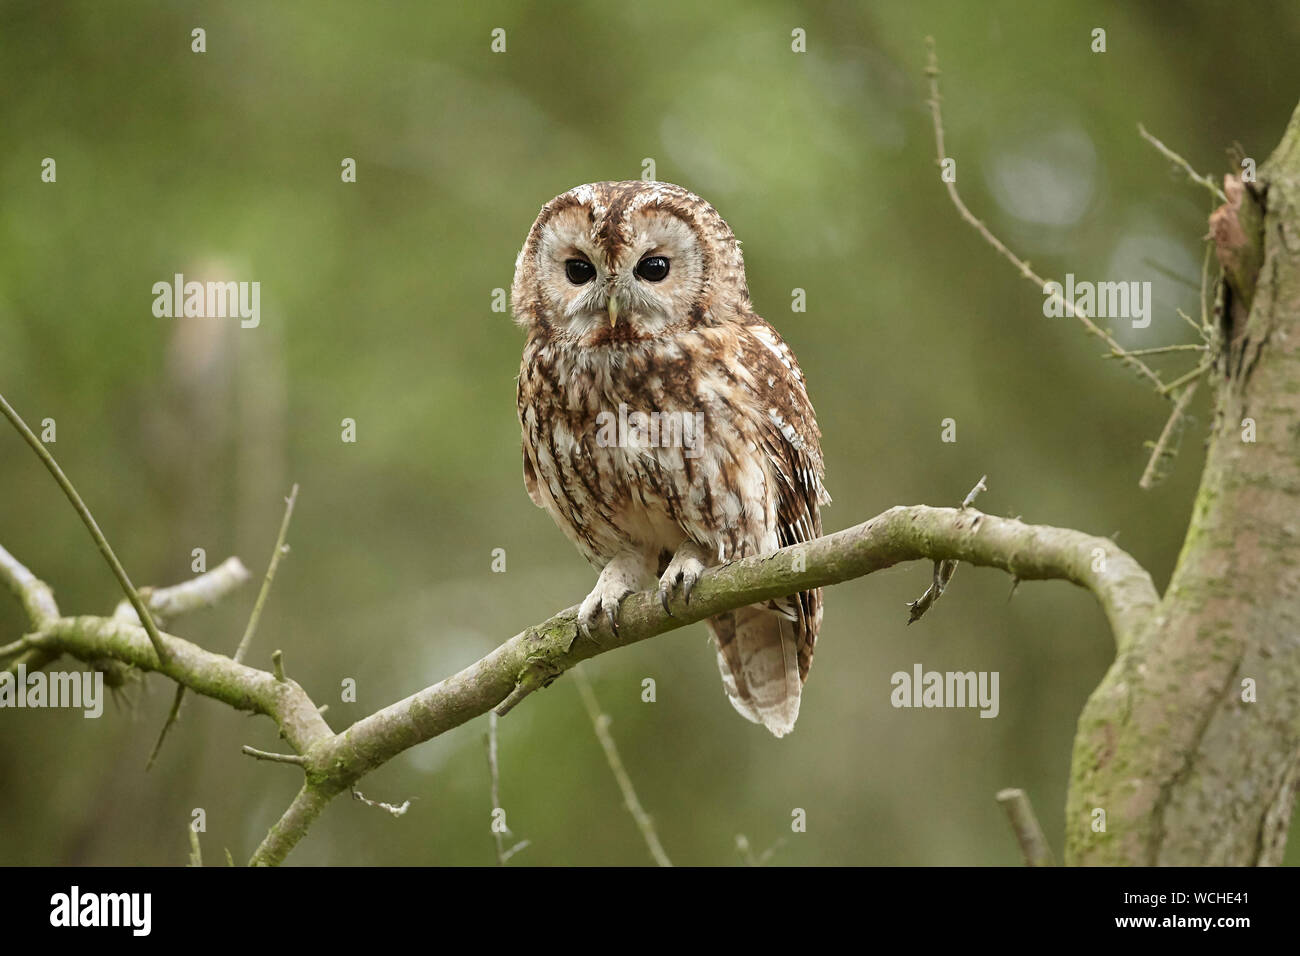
{"points": [[763, 655]]}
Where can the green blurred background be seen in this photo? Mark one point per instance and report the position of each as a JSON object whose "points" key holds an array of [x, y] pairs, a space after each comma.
{"points": [[376, 305]]}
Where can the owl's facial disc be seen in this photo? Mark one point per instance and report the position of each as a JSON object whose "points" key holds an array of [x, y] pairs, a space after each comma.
{"points": [[614, 263], [606, 277]]}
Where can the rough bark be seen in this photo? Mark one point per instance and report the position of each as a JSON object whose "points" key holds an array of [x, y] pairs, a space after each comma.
{"points": [[1186, 770]]}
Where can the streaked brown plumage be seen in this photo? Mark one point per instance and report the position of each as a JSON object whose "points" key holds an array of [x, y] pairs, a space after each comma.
{"points": [[725, 461]]}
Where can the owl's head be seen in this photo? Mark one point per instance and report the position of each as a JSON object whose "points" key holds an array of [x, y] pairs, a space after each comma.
{"points": [[623, 262]]}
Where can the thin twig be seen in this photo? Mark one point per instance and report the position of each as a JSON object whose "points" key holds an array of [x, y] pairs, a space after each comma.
{"points": [[242, 574], [494, 773], [1206, 328], [1151, 473], [202, 591], [88, 520], [1160, 450], [747, 852], [199, 592], [1161, 349], [1023, 267], [1183, 379], [1190, 321], [277, 665], [600, 722], [1025, 824], [974, 492], [944, 570], [172, 716], [493, 778], [521, 845], [296, 759], [1192, 174], [196, 851], [536, 675], [279, 552], [379, 804]]}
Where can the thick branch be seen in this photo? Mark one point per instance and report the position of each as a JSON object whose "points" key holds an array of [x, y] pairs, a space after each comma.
{"points": [[206, 673], [291, 827], [1189, 744], [534, 658], [540, 654]]}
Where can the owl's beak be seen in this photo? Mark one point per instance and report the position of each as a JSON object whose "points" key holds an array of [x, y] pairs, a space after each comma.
{"points": [[613, 311]]}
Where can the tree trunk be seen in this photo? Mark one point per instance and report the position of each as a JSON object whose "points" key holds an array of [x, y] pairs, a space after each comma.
{"points": [[1187, 762]]}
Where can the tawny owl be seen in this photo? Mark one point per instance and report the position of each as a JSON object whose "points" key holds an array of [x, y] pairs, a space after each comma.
{"points": [[666, 426]]}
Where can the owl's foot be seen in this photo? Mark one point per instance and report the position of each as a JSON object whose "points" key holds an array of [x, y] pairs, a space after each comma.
{"points": [[620, 577], [601, 600], [683, 571]]}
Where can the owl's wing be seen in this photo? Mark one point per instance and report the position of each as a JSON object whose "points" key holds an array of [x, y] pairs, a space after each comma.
{"points": [[766, 650], [789, 430], [791, 441], [530, 481]]}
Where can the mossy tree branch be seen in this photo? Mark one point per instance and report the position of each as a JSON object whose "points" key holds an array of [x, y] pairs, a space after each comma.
{"points": [[1191, 743], [1188, 752], [333, 762]]}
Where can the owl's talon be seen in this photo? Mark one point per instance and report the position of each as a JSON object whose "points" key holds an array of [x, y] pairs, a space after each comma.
{"points": [[688, 585], [682, 574], [604, 601]]}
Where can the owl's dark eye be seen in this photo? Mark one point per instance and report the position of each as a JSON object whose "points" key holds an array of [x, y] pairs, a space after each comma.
{"points": [[653, 268], [579, 271]]}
